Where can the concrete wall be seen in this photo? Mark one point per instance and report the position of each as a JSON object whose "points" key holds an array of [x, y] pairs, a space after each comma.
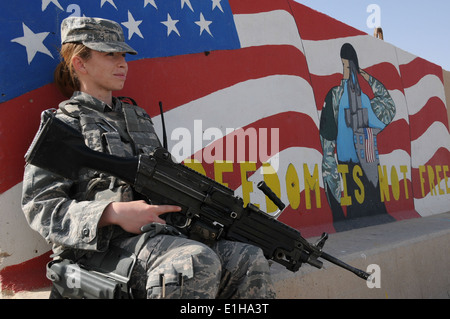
{"points": [[412, 257], [266, 67], [447, 87]]}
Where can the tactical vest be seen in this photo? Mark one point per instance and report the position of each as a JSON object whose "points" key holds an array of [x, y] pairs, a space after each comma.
{"points": [[124, 133]]}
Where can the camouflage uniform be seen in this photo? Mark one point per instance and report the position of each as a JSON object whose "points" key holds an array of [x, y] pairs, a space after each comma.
{"points": [[66, 214]]}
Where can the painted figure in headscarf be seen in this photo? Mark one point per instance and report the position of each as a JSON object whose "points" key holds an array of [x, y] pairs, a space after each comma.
{"points": [[349, 125]]}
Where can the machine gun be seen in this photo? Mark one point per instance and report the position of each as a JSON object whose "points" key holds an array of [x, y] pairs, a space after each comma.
{"points": [[210, 211]]}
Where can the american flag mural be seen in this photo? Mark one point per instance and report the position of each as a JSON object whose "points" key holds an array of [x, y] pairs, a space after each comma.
{"points": [[370, 145], [227, 71]]}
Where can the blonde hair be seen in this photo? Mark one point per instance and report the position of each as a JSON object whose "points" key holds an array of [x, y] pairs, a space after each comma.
{"points": [[65, 77]]}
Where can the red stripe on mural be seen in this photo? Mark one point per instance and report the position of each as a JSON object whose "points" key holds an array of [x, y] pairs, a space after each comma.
{"points": [[322, 84], [433, 111], [18, 125], [29, 275], [176, 81], [418, 68], [400, 203], [314, 25], [249, 6], [310, 222], [387, 74], [387, 144]]}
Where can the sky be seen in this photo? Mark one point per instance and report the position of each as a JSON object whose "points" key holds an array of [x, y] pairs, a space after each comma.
{"points": [[417, 26]]}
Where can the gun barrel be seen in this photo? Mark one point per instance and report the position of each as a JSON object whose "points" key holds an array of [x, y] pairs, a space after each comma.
{"points": [[360, 273]]}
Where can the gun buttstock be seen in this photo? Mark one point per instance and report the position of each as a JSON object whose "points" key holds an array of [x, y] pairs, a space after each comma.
{"points": [[60, 149]]}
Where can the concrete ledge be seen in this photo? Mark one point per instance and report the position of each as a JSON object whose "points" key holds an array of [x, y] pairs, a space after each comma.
{"points": [[42, 293], [413, 256]]}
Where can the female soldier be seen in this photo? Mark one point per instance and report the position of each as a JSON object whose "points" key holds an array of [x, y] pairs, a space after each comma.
{"points": [[88, 218]]}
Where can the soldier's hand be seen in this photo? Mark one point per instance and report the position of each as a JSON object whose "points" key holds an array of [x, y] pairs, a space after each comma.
{"points": [[364, 74], [131, 216]]}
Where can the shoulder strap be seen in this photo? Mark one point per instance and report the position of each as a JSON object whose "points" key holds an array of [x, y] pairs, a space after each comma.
{"points": [[127, 100]]}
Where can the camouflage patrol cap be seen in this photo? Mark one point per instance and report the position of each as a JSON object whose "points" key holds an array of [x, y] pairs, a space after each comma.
{"points": [[97, 34]]}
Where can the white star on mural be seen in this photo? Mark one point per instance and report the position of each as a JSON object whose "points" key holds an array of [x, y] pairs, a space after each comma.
{"points": [[152, 2], [188, 2], [216, 3], [133, 26], [33, 42], [111, 2], [203, 24], [170, 24], [45, 4]]}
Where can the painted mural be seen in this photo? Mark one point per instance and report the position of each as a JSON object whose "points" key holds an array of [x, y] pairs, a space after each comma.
{"points": [[349, 127], [346, 129]]}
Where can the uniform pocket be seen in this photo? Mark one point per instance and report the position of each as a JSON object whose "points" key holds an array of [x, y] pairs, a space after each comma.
{"points": [[167, 280]]}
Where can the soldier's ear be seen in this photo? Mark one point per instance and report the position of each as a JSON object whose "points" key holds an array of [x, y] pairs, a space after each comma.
{"points": [[78, 65]]}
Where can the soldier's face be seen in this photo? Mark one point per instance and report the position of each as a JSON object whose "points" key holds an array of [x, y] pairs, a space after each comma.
{"points": [[105, 71], [346, 71]]}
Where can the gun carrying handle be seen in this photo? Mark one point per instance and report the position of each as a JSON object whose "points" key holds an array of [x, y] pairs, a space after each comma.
{"points": [[273, 197]]}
